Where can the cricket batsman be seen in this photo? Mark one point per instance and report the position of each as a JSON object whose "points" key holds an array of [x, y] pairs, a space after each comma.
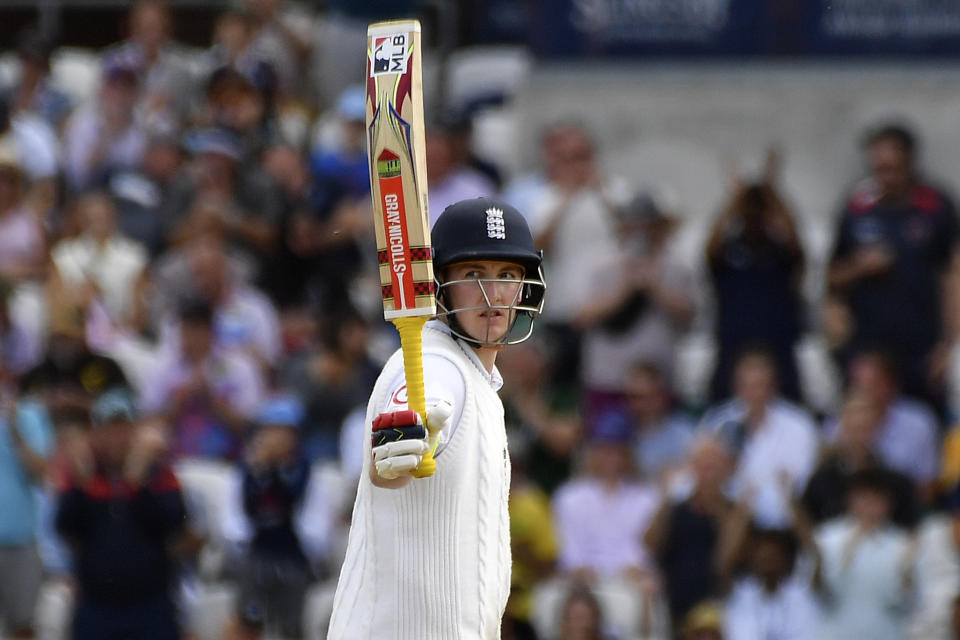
{"points": [[429, 558]]}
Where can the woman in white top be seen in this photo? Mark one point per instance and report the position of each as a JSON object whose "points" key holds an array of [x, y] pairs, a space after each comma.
{"points": [[866, 565]]}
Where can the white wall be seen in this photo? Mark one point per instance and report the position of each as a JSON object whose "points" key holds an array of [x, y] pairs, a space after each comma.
{"points": [[680, 127]]}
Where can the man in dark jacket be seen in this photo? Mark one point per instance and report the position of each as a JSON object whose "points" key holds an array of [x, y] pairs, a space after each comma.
{"points": [[119, 510]]}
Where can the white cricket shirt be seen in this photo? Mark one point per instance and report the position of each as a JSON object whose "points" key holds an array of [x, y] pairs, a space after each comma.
{"points": [[431, 561]]}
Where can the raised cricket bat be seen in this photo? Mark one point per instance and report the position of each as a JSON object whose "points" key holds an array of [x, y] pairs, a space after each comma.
{"points": [[398, 185]]}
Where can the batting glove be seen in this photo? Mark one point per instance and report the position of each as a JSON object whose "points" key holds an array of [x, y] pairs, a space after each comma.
{"points": [[400, 438]]}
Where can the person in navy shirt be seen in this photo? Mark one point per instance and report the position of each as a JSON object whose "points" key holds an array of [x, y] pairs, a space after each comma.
{"points": [[895, 240], [274, 572], [121, 510], [756, 263]]}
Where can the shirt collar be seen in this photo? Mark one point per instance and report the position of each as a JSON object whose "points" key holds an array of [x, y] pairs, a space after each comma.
{"points": [[494, 379]]}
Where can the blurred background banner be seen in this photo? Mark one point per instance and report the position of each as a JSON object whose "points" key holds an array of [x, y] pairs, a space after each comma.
{"points": [[587, 28], [885, 27], [571, 28]]}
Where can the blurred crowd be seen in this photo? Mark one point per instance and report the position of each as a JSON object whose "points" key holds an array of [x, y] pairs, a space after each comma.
{"points": [[190, 326]]}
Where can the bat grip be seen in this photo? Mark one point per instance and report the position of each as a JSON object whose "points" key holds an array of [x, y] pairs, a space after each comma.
{"points": [[411, 343]]}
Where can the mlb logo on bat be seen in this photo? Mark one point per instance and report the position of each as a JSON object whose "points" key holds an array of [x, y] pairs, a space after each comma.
{"points": [[389, 55], [495, 226]]}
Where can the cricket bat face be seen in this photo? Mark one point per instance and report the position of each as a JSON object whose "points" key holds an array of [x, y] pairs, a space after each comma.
{"points": [[398, 180]]}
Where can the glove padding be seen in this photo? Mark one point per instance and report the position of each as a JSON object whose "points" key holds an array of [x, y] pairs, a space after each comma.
{"points": [[399, 438]]}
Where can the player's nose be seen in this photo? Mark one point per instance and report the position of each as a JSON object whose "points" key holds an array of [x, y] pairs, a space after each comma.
{"points": [[503, 291]]}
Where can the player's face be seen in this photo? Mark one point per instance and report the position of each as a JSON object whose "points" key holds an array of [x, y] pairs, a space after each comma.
{"points": [[112, 440], [891, 166], [859, 422], [482, 293], [755, 380], [868, 505]]}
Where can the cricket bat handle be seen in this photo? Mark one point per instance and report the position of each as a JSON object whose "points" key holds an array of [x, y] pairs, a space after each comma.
{"points": [[411, 343]]}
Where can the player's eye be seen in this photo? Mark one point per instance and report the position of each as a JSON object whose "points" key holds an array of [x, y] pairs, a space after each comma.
{"points": [[511, 275], [472, 275]]}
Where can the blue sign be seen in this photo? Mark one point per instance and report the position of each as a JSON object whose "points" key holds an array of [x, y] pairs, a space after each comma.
{"points": [[736, 28], [887, 27]]}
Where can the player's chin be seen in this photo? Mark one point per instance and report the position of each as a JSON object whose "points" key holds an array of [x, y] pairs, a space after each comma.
{"points": [[495, 335]]}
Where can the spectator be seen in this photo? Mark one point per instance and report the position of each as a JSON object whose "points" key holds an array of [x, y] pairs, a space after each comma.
{"points": [[525, 190], [581, 617], [22, 242], [340, 165], [538, 418], [26, 442], [937, 573], [274, 572], [33, 92], [328, 222], [335, 229], [906, 440], [775, 442], [153, 56], [244, 317], [292, 270], [20, 346], [70, 376], [54, 551], [120, 510], [458, 123], [104, 135], [232, 48], [35, 144], [282, 37], [449, 178], [771, 600], [172, 282], [895, 240], [601, 517], [233, 103], [142, 193], [825, 496], [663, 434], [209, 393], [865, 566], [686, 533], [533, 545], [574, 221], [240, 202], [756, 264], [641, 303], [331, 380], [104, 263]]}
